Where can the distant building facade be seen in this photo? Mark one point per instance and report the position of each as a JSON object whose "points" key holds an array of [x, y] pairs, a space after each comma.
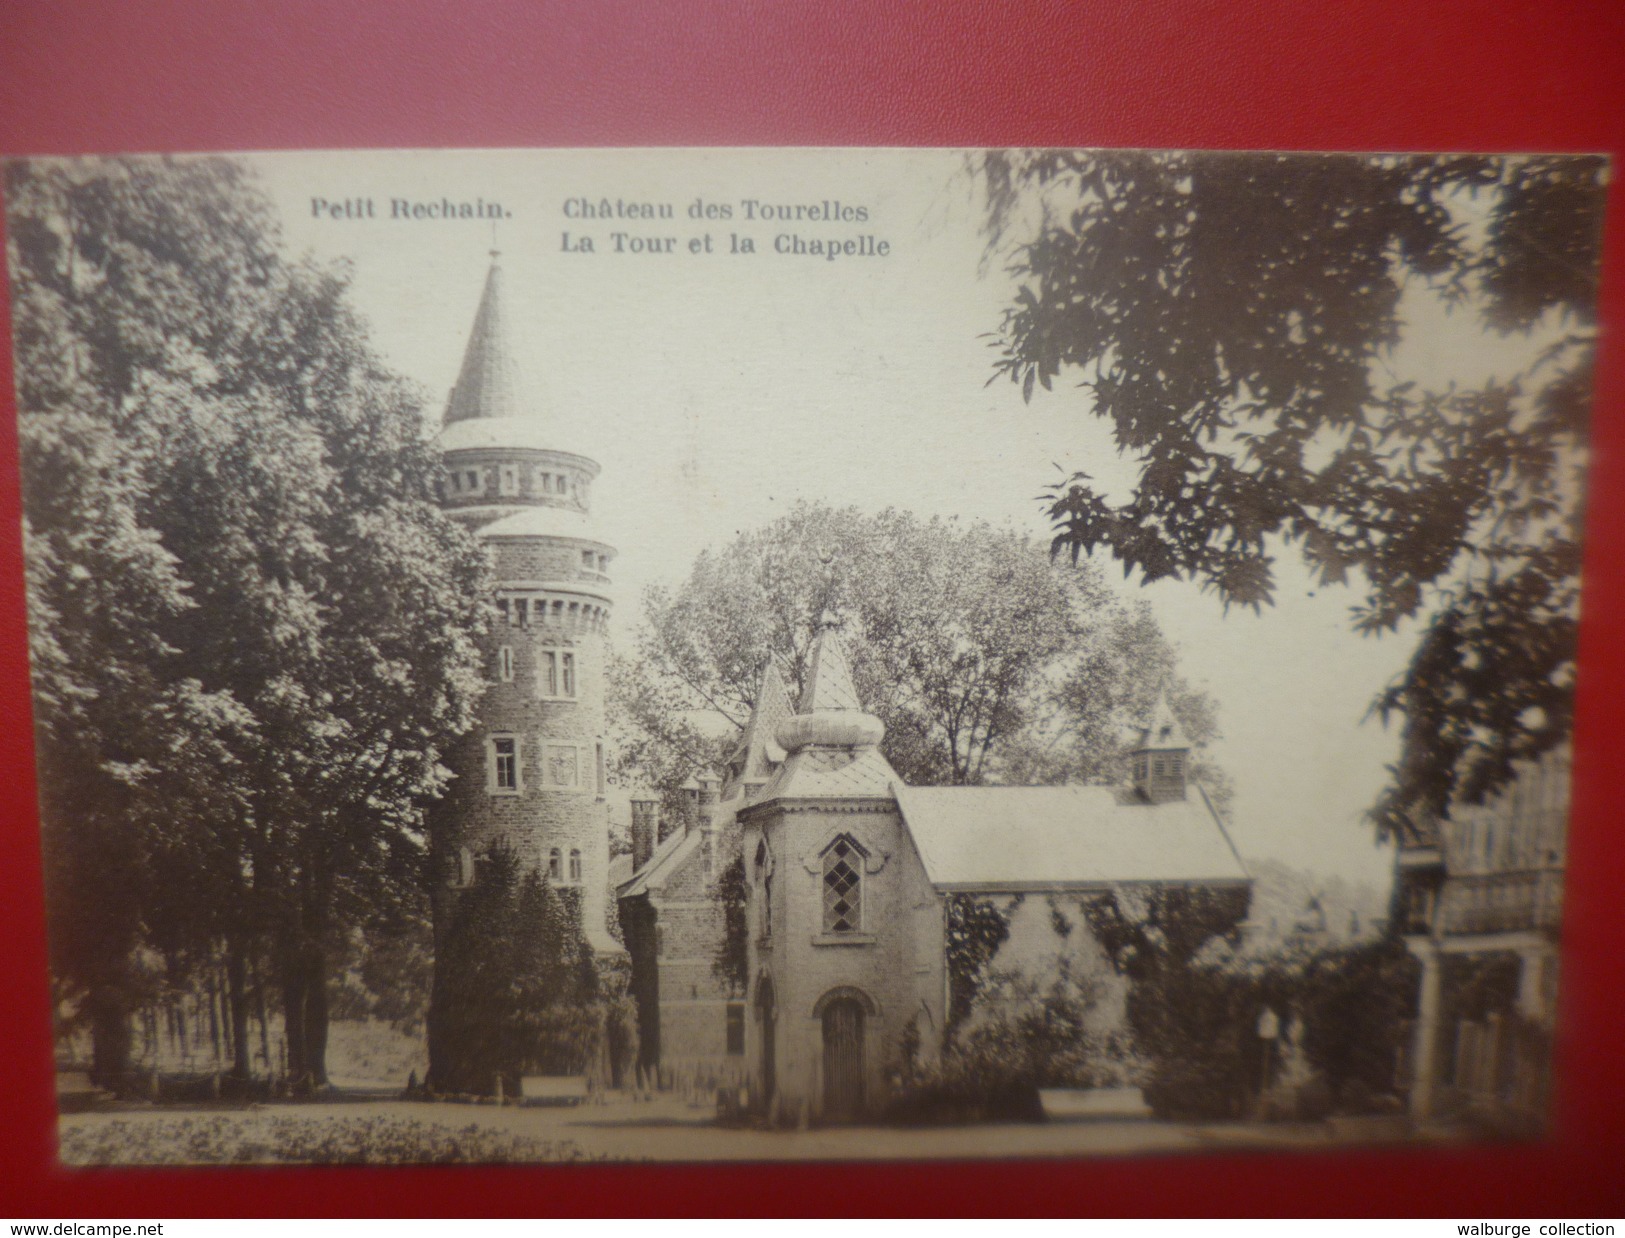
{"points": [[1480, 895]]}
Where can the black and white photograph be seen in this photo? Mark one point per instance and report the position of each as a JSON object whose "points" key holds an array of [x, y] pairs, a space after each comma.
{"points": [[789, 654]]}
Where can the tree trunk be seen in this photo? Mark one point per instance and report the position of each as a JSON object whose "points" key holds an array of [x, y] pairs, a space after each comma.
{"points": [[210, 995], [304, 1015], [109, 1038], [263, 1015], [293, 1017], [316, 1015], [237, 996]]}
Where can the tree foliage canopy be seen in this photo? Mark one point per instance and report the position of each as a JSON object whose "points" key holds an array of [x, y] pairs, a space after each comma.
{"points": [[985, 659], [252, 630], [1232, 316]]}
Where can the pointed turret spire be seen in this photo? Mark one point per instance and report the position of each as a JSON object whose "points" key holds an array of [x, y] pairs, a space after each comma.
{"points": [[758, 753], [488, 384], [1163, 731], [831, 714], [829, 678]]}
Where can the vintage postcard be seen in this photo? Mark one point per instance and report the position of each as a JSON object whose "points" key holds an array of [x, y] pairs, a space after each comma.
{"points": [[801, 654]]}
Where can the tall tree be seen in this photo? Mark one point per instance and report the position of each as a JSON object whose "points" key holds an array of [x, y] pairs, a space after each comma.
{"points": [[515, 988], [245, 603], [1232, 317], [985, 659]]}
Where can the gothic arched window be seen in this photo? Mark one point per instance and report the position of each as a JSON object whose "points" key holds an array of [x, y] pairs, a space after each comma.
{"points": [[843, 887], [764, 878], [555, 865], [575, 866]]}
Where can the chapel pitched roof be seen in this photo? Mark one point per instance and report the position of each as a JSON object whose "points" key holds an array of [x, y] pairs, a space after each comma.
{"points": [[1060, 838], [669, 856], [488, 385]]}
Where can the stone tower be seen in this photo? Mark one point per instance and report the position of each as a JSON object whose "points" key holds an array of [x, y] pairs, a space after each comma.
{"points": [[530, 776]]}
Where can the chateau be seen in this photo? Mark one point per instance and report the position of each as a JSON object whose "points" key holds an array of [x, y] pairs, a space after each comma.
{"points": [[531, 775], [848, 873]]}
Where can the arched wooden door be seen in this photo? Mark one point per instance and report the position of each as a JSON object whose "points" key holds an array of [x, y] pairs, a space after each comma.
{"points": [[843, 1059]]}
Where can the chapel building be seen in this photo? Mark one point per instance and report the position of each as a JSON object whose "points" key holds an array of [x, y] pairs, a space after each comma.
{"points": [[849, 875]]}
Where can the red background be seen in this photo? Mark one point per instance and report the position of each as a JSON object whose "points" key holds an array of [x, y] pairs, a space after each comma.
{"points": [[113, 76]]}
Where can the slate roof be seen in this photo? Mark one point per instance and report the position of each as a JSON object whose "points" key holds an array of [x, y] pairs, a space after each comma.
{"points": [[545, 522], [488, 384], [838, 773], [757, 754], [1048, 838], [530, 433], [829, 678], [817, 769], [669, 856], [1163, 731]]}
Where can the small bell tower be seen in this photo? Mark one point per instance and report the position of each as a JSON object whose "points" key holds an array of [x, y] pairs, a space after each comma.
{"points": [[1161, 755]]}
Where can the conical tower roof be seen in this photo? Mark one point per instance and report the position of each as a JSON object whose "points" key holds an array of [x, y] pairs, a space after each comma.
{"points": [[488, 386], [829, 678], [1163, 732]]}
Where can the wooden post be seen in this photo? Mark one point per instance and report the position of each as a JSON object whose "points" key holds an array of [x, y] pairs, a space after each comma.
{"points": [[1424, 1054]]}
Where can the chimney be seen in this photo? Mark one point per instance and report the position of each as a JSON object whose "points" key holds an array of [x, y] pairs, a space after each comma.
{"points": [[688, 801], [710, 794], [645, 819]]}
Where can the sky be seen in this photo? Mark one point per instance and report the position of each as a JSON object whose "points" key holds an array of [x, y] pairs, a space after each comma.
{"points": [[717, 388]]}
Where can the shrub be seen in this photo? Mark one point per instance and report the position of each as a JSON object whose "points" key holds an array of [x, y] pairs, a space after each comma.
{"points": [[258, 1138]]}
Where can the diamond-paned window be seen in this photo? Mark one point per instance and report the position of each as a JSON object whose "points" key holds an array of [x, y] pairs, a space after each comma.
{"points": [[843, 887]]}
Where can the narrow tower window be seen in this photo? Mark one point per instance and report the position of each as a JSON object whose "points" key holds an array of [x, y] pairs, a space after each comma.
{"points": [[504, 763], [575, 866], [555, 865], [508, 479], [505, 663]]}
